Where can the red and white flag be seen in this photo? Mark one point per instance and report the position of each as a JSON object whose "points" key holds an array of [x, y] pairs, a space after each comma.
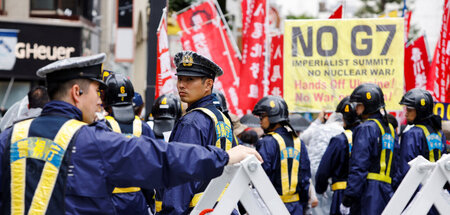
{"points": [[416, 64], [165, 75], [407, 24], [337, 13], [438, 78], [204, 32], [253, 67], [276, 66]]}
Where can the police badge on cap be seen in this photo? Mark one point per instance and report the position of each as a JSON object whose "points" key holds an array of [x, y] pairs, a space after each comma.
{"points": [[189, 63], [89, 67]]}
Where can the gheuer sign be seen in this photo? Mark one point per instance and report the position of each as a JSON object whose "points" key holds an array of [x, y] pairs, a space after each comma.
{"points": [[39, 45]]}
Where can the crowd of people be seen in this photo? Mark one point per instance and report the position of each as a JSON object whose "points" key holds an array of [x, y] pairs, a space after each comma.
{"points": [[85, 150]]}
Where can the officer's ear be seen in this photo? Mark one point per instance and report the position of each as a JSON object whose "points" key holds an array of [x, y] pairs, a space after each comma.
{"points": [[209, 84], [75, 93]]}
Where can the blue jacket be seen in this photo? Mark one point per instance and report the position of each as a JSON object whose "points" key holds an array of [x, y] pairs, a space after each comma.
{"points": [[134, 202], [269, 149], [334, 165], [414, 143], [197, 128], [101, 159], [368, 196]]}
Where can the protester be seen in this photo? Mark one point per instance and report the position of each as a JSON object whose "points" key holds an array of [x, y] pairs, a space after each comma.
{"points": [[372, 162], [282, 150], [79, 161]]}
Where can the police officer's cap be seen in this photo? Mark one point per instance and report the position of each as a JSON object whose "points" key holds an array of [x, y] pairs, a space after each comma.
{"points": [[89, 67], [189, 63], [137, 99]]}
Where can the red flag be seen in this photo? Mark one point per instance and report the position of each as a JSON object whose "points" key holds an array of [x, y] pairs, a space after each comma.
{"points": [[204, 32], [416, 64], [165, 76], [437, 80], [407, 24], [276, 66], [337, 13], [254, 54]]}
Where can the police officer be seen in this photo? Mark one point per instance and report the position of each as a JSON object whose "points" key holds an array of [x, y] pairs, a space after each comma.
{"points": [[221, 103], [425, 137], [286, 160], [334, 163], [202, 124], [372, 162], [165, 111], [64, 163], [119, 95]]}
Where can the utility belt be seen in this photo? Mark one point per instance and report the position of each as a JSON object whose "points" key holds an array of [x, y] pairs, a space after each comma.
{"points": [[379, 177], [340, 185], [126, 189], [290, 198], [158, 206]]}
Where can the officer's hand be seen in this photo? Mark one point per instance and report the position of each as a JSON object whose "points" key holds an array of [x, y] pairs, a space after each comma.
{"points": [[344, 210], [240, 152]]}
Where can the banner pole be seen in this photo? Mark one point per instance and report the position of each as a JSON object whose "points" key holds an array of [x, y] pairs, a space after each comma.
{"points": [[163, 15], [344, 7], [233, 41], [266, 51]]}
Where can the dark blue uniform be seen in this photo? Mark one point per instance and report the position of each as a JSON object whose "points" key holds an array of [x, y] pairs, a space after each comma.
{"points": [[198, 128], [334, 165], [414, 143], [369, 184], [99, 160], [132, 200], [269, 149]]}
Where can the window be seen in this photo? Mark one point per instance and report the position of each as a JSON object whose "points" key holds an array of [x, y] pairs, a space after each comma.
{"points": [[2, 7], [62, 9]]}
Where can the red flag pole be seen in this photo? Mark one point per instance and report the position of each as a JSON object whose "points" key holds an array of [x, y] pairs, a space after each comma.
{"points": [[266, 52], [233, 41]]}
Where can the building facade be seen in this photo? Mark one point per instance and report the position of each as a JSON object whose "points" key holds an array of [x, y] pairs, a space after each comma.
{"points": [[34, 33]]}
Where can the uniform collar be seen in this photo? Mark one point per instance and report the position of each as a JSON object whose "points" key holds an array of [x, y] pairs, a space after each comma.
{"points": [[62, 108], [201, 102], [281, 130], [376, 116]]}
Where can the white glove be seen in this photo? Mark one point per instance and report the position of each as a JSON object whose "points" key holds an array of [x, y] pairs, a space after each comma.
{"points": [[344, 210]]}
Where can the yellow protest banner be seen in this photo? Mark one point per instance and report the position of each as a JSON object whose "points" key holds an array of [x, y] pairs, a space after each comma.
{"points": [[324, 60]]}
